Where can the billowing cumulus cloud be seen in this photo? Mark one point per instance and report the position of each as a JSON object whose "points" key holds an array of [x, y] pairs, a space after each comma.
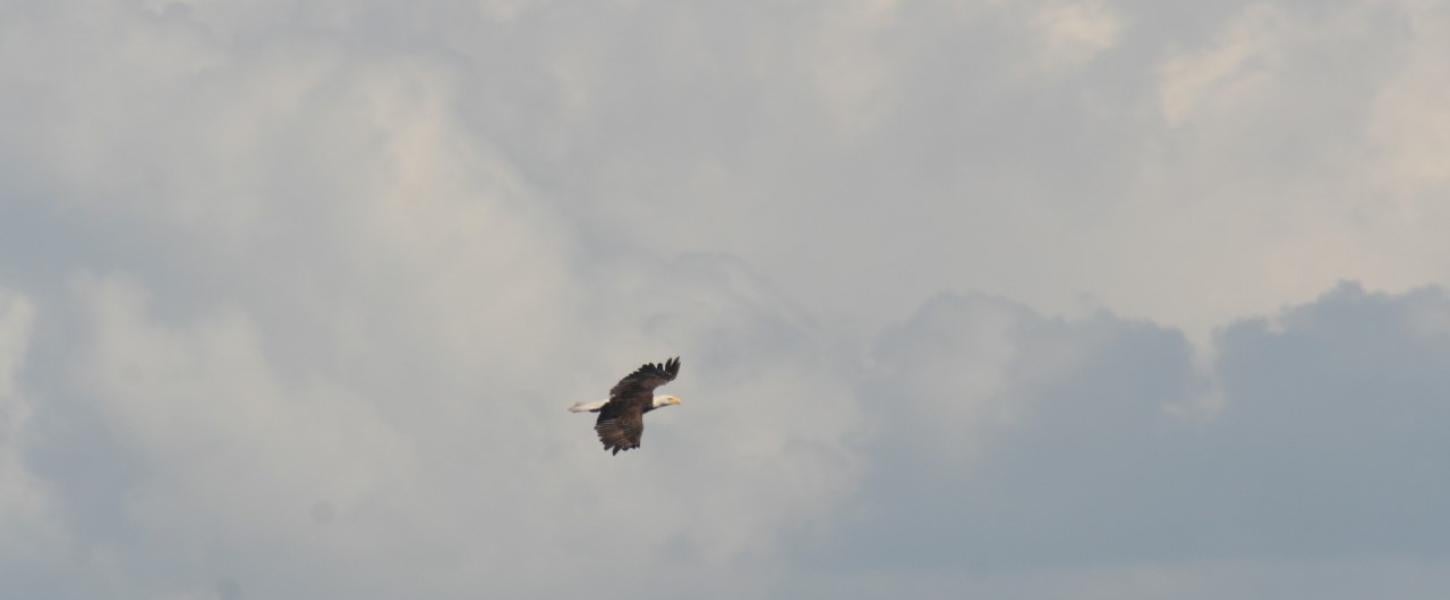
{"points": [[972, 297]]}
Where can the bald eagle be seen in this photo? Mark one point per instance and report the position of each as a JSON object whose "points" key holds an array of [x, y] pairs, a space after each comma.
{"points": [[621, 417]]}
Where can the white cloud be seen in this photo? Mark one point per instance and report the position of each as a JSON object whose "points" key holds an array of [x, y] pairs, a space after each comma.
{"points": [[26, 518], [336, 363], [1242, 62], [1075, 32], [354, 475], [1409, 131], [234, 458]]}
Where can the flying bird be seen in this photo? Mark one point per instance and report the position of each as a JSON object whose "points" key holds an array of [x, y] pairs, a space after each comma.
{"points": [[621, 417]]}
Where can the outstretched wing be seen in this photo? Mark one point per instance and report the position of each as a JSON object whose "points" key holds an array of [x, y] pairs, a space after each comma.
{"points": [[620, 426], [643, 381]]}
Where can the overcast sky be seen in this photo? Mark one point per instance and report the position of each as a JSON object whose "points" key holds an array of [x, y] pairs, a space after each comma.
{"points": [[1043, 299]]}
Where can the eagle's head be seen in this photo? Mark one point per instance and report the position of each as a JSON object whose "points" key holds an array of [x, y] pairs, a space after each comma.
{"points": [[662, 401]]}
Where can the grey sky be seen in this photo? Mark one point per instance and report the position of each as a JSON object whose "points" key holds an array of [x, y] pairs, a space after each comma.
{"points": [[1057, 299]]}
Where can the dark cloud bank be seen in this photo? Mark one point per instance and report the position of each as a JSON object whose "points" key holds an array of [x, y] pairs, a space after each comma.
{"points": [[1001, 441]]}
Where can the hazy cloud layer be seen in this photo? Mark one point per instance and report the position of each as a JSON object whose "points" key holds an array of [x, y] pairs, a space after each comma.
{"points": [[976, 297]]}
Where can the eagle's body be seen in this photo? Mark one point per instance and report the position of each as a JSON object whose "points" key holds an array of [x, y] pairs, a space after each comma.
{"points": [[621, 417]]}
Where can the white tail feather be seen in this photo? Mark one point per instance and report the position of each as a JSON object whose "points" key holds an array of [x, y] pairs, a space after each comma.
{"points": [[588, 406]]}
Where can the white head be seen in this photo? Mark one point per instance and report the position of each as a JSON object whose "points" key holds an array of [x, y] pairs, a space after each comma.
{"points": [[663, 401]]}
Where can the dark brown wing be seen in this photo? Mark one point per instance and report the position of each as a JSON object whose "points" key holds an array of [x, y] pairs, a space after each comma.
{"points": [[621, 420], [620, 426], [643, 381]]}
